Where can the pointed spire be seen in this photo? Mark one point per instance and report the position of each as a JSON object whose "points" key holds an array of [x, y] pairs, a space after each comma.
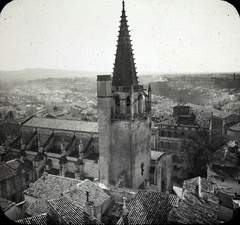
{"points": [[124, 72]]}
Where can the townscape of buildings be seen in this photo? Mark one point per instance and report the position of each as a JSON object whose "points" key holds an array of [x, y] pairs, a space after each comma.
{"points": [[120, 155]]}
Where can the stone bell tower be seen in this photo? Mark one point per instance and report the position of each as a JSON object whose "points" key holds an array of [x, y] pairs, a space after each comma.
{"points": [[124, 119]]}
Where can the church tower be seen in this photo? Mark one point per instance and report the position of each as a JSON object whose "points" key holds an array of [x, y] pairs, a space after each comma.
{"points": [[124, 119]]}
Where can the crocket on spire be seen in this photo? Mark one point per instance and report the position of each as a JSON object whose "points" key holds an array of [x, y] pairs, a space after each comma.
{"points": [[124, 71]]}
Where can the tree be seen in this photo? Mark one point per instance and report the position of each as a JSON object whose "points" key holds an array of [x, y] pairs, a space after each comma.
{"points": [[200, 147]]}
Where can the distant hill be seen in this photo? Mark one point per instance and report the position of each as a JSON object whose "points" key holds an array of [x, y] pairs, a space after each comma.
{"points": [[33, 74]]}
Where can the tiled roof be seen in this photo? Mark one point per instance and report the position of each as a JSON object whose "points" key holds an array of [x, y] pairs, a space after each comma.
{"points": [[235, 127], [226, 172], [156, 154], [225, 156], [149, 208], [6, 204], [114, 210], [18, 165], [201, 119], [96, 193], [192, 209], [42, 219], [49, 186], [71, 213], [39, 206], [14, 163], [225, 200], [7, 172], [217, 113], [190, 184], [57, 124]]}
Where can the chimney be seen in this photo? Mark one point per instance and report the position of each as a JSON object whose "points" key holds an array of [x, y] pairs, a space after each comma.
{"points": [[89, 208], [199, 187], [95, 181], [125, 211], [91, 214]]}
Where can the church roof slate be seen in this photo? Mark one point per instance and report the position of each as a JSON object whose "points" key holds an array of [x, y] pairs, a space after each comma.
{"points": [[57, 124]]}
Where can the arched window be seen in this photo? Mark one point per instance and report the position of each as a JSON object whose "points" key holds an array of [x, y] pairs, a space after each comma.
{"points": [[117, 104], [128, 105], [140, 106]]}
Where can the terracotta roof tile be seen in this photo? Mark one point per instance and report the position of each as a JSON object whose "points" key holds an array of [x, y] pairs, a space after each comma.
{"points": [[114, 210], [73, 125], [225, 200], [42, 219], [149, 208], [206, 186], [7, 172], [6, 204], [71, 213], [96, 193], [191, 209]]}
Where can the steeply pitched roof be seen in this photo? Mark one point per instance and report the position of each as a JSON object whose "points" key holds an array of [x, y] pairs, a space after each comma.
{"points": [[71, 213], [192, 209], [96, 193], [124, 72], [6, 204], [56, 124], [149, 208], [42, 219]]}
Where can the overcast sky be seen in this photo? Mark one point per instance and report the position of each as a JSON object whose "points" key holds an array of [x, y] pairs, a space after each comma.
{"points": [[168, 36]]}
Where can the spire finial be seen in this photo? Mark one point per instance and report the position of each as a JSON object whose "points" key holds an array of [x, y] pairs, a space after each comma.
{"points": [[123, 5]]}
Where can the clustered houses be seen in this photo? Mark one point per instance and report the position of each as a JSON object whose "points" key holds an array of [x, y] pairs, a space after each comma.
{"points": [[134, 181], [117, 149], [224, 170], [15, 176], [169, 134]]}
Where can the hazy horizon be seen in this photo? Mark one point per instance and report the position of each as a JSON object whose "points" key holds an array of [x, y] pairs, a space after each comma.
{"points": [[168, 36]]}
